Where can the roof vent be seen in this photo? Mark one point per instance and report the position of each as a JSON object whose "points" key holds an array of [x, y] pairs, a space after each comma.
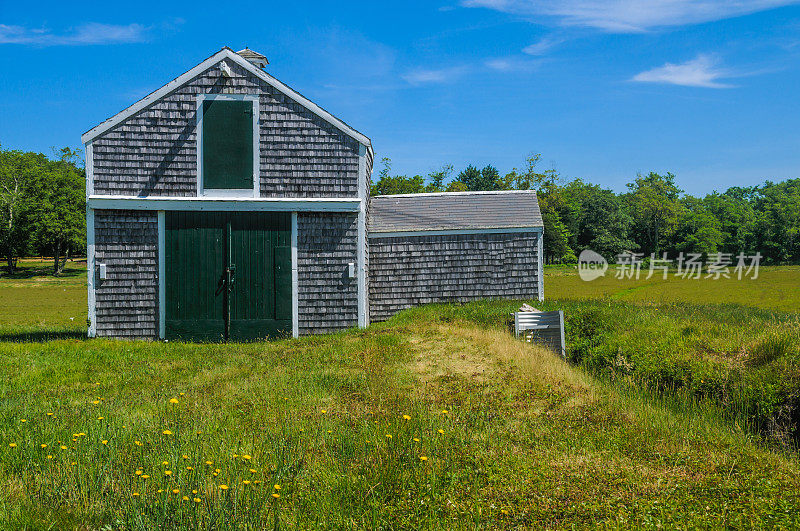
{"points": [[254, 57]]}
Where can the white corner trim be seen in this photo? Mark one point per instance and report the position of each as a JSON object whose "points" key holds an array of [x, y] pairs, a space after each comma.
{"points": [[90, 274], [245, 204], [162, 272], [256, 177], [295, 281], [89, 153], [225, 53], [361, 255], [452, 232], [540, 259]]}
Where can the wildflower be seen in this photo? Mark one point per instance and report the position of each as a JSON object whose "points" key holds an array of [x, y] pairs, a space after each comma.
{"points": [[223, 487], [189, 468], [104, 441], [197, 500], [416, 440], [97, 383], [160, 491], [165, 463], [246, 482], [182, 394], [257, 482], [247, 457], [173, 400], [329, 431], [137, 443], [63, 447], [186, 498], [406, 417], [276, 495], [168, 472], [252, 470], [100, 418], [367, 441], [43, 445], [504, 511], [145, 476], [12, 445], [139, 472], [388, 435], [217, 470], [441, 432], [176, 491], [277, 487], [50, 414], [95, 402], [49, 456], [235, 456], [423, 458], [74, 463], [23, 420], [209, 463], [185, 456], [167, 432], [81, 434], [135, 493], [215, 474], [324, 411], [194, 491], [444, 412]]}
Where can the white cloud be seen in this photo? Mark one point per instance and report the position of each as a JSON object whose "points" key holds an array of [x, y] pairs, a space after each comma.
{"points": [[92, 33], [512, 64], [428, 76], [542, 46], [702, 71], [628, 16]]}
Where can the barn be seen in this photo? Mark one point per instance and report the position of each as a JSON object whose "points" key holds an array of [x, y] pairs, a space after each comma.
{"points": [[225, 205]]}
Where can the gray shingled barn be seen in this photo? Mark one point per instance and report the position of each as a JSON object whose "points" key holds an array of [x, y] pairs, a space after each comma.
{"points": [[227, 205]]}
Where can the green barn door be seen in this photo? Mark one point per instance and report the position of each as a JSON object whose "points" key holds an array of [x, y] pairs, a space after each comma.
{"points": [[203, 251]]}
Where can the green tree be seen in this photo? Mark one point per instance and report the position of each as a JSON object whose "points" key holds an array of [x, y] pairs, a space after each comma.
{"points": [[529, 177], [652, 202], [436, 179], [396, 184], [699, 231], [18, 173], [58, 214], [480, 180]]}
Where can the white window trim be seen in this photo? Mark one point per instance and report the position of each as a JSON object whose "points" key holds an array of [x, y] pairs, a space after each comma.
{"points": [[224, 204], [244, 192]]}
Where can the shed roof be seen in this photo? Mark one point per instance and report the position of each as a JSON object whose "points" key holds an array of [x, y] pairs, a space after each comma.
{"points": [[454, 211]]}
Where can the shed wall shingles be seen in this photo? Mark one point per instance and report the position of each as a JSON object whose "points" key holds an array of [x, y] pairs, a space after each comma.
{"points": [[154, 152], [127, 301], [414, 270], [327, 298]]}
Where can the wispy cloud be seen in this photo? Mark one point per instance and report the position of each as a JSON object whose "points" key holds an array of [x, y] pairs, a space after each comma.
{"points": [[86, 34], [432, 76], [513, 64], [629, 16], [702, 71], [542, 46]]}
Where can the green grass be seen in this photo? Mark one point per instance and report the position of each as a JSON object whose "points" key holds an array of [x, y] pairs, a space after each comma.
{"points": [[526, 441]]}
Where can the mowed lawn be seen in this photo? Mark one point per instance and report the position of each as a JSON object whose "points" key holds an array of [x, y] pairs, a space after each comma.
{"points": [[437, 419]]}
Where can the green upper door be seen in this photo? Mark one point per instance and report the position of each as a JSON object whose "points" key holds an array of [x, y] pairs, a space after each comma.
{"points": [[228, 269], [227, 144]]}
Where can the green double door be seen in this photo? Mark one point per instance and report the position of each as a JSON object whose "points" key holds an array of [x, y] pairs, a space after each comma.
{"points": [[228, 275]]}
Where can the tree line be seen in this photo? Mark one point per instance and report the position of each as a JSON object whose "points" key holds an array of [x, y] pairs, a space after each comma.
{"points": [[42, 206], [653, 216]]}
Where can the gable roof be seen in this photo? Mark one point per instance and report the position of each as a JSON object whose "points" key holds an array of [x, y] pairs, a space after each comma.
{"points": [[454, 211], [225, 53]]}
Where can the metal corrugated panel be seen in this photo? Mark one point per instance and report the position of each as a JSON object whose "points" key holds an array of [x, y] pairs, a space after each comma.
{"points": [[454, 211]]}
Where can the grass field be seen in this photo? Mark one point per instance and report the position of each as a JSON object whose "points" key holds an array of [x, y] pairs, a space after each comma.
{"points": [[437, 419]]}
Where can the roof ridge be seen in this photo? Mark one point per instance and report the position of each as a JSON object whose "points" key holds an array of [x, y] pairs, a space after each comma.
{"points": [[442, 194]]}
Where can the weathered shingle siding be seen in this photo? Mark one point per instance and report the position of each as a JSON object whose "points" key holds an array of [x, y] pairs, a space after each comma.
{"points": [[154, 152], [413, 270], [127, 301], [327, 298]]}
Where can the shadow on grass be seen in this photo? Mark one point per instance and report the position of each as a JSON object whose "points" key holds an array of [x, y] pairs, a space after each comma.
{"points": [[40, 337], [35, 272]]}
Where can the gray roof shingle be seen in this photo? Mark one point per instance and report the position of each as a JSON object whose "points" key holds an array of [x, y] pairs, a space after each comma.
{"points": [[454, 211]]}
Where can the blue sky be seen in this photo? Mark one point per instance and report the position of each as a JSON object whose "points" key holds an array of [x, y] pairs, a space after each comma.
{"points": [[707, 89]]}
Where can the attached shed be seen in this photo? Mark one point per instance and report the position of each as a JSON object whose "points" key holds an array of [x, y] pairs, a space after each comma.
{"points": [[225, 205], [453, 247]]}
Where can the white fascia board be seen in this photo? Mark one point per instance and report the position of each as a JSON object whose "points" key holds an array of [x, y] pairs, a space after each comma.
{"points": [[221, 204], [89, 154], [295, 281], [162, 274], [225, 53], [90, 273], [449, 194], [453, 232], [361, 255]]}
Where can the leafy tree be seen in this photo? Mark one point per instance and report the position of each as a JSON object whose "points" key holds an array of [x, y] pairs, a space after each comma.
{"points": [[699, 231], [600, 220], [653, 204], [398, 184], [436, 179], [58, 214], [480, 180], [18, 173], [529, 177], [777, 224]]}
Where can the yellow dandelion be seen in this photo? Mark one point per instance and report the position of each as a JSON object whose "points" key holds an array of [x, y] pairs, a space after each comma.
{"points": [[43, 445], [257, 482], [276, 495], [209, 463], [329, 431], [12, 445], [63, 447], [247, 457], [246, 482], [235, 456], [277, 487], [444, 412], [186, 498], [388, 435], [49, 414], [145, 476], [189, 468], [137, 443], [217, 470], [74, 463], [104, 441], [100, 418], [324, 411], [23, 420], [160, 491], [441, 432], [168, 472], [176, 491], [81, 434], [95, 402], [167, 432], [215, 474], [423, 458], [173, 400], [252, 470], [185, 456], [49, 456], [194, 491], [182, 394], [135, 494], [165, 463], [504, 511], [197, 500], [223, 487], [416, 440], [406, 417], [199, 432], [139, 472]]}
